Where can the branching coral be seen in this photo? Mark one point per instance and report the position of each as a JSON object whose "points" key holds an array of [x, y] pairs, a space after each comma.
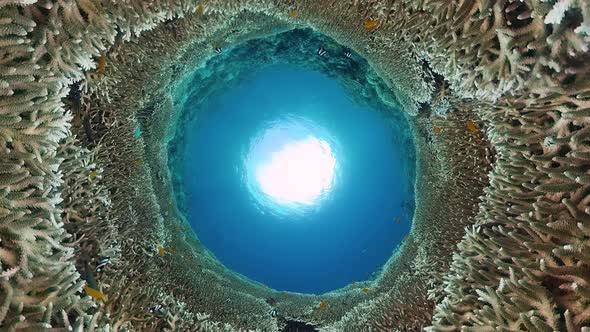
{"points": [[523, 265]]}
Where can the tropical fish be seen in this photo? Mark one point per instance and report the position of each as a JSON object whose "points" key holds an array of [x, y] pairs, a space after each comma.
{"points": [[398, 220], [158, 310], [274, 313], [437, 130], [170, 250], [137, 132], [472, 127], [218, 50], [200, 10], [161, 251], [365, 290], [101, 263], [93, 174], [88, 275], [323, 305], [348, 54], [102, 63], [293, 14], [371, 24], [97, 295], [321, 51]]}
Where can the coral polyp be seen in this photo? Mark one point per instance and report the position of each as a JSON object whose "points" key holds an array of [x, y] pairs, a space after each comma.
{"points": [[498, 96]]}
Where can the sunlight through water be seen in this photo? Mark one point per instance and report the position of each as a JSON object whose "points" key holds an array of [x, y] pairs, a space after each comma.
{"points": [[289, 167], [299, 172]]}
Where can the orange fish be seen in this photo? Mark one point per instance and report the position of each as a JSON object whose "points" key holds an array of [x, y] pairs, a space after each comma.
{"points": [[398, 219], [437, 130], [161, 251], [97, 295], [323, 305], [293, 14], [472, 127], [371, 24], [200, 10], [365, 290], [102, 63], [93, 174]]}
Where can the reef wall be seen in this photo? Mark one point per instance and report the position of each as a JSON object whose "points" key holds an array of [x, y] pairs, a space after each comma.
{"points": [[499, 92]]}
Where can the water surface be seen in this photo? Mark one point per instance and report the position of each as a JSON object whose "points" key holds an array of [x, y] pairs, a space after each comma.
{"points": [[343, 236]]}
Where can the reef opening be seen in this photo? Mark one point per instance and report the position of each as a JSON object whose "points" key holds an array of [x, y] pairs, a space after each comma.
{"points": [[91, 237], [353, 152]]}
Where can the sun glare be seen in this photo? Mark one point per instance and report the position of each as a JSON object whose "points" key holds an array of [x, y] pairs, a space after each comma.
{"points": [[298, 173]]}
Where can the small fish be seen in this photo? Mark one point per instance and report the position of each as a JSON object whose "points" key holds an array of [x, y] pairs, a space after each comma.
{"points": [[102, 63], [274, 313], [88, 275], [218, 50], [101, 263], [371, 24], [293, 14], [348, 54], [158, 310], [170, 250], [323, 305], [472, 127], [161, 251], [93, 174], [200, 10], [321, 51], [137, 132], [97, 295], [365, 290], [137, 162], [398, 220], [437, 130]]}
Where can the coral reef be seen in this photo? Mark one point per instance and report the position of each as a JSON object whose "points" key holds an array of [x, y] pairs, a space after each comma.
{"points": [[499, 92]]}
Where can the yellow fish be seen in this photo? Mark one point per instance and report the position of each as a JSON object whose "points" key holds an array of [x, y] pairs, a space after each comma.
{"points": [[93, 174], [323, 305], [365, 290], [472, 127], [102, 63], [371, 24], [200, 10], [97, 295], [161, 251], [293, 14]]}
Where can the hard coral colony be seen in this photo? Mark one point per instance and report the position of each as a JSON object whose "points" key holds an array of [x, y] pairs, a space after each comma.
{"points": [[500, 237]]}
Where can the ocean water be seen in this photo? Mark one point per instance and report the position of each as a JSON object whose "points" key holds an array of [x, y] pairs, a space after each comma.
{"points": [[345, 235]]}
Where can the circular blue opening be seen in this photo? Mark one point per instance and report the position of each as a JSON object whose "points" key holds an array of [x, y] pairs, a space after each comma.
{"points": [[295, 174]]}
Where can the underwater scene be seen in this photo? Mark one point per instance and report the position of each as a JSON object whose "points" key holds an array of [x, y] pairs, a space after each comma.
{"points": [[297, 166]]}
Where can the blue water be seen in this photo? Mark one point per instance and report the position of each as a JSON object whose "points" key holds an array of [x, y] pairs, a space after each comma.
{"points": [[348, 236]]}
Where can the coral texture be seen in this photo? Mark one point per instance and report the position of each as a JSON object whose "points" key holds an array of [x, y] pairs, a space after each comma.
{"points": [[499, 92]]}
